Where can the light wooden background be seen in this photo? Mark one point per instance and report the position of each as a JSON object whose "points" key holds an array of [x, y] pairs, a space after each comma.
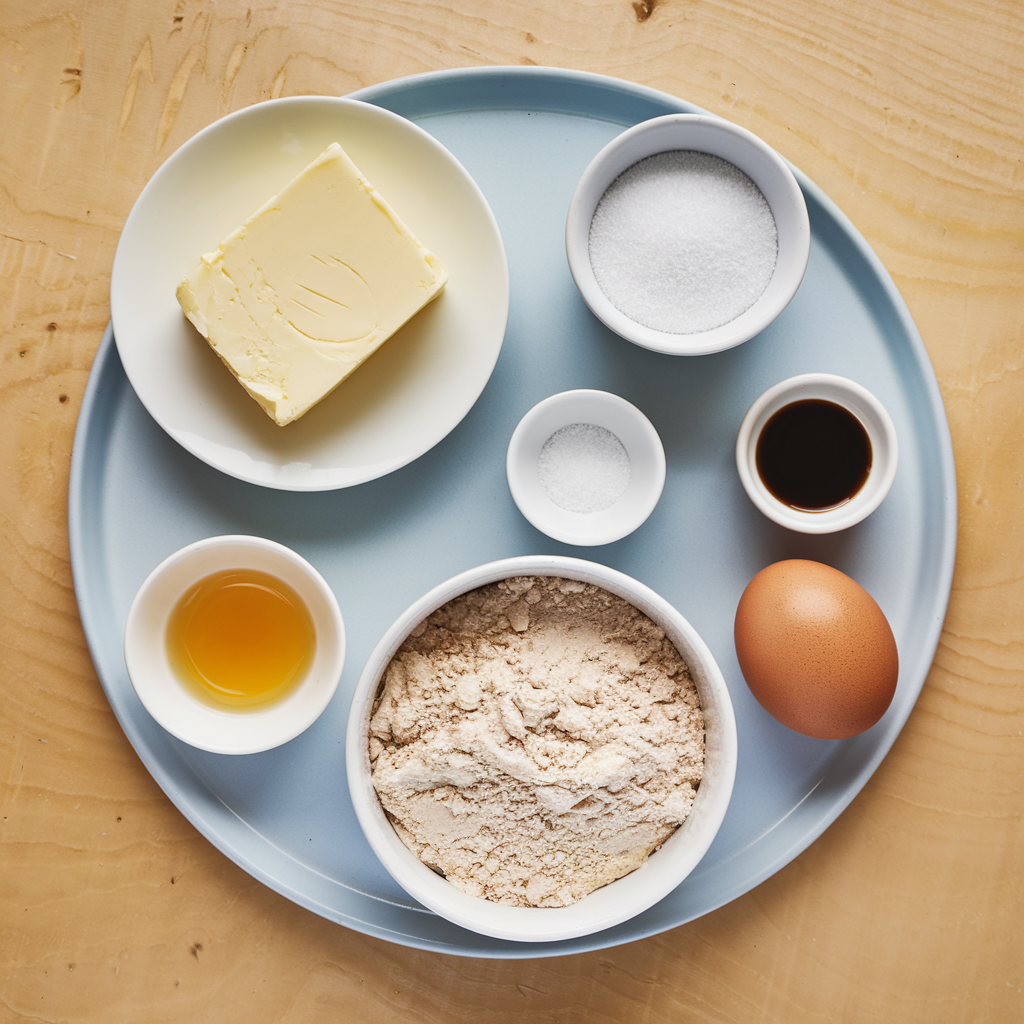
{"points": [[910, 908]]}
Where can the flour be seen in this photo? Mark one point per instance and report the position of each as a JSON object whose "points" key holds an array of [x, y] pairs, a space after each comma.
{"points": [[536, 739]]}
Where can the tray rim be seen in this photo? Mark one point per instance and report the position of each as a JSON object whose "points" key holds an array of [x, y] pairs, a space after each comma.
{"points": [[90, 415]]}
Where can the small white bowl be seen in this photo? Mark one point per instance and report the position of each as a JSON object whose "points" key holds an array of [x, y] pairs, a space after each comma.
{"points": [[706, 134], [228, 730], [638, 437], [627, 896], [856, 400]]}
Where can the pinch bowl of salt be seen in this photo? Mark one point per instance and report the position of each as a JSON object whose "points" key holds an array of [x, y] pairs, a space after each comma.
{"points": [[687, 234], [585, 467]]}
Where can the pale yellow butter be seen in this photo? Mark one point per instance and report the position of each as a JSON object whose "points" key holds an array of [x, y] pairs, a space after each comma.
{"points": [[311, 285]]}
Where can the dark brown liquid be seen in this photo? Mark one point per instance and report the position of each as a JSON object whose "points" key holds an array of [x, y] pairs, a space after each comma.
{"points": [[813, 455]]}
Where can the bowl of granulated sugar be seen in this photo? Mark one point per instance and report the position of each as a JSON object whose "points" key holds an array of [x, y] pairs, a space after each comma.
{"points": [[687, 234]]}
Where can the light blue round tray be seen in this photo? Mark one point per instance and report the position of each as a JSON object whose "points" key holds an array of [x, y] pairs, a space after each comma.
{"points": [[526, 135]]}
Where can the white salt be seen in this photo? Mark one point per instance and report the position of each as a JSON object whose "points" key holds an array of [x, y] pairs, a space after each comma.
{"points": [[683, 242], [583, 468]]}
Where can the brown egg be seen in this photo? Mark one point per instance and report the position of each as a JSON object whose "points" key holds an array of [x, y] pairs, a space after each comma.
{"points": [[815, 649]]}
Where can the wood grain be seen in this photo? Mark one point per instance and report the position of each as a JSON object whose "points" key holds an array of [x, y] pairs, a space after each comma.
{"points": [[909, 115]]}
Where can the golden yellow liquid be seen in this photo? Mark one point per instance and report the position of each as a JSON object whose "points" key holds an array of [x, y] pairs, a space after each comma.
{"points": [[242, 637]]}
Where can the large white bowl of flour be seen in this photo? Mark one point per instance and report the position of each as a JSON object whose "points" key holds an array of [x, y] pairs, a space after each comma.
{"points": [[489, 774], [687, 234]]}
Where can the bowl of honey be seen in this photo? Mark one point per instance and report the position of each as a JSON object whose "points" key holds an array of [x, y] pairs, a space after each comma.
{"points": [[817, 453], [235, 644]]}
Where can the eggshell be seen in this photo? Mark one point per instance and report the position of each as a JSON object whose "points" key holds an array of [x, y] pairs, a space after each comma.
{"points": [[815, 649]]}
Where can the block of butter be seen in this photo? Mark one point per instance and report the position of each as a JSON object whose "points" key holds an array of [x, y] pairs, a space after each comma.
{"points": [[311, 285]]}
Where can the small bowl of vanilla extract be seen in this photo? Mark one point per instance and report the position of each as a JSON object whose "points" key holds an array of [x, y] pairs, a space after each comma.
{"points": [[817, 453], [235, 644]]}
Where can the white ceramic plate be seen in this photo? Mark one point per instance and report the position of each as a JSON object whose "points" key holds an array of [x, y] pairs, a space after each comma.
{"points": [[398, 404]]}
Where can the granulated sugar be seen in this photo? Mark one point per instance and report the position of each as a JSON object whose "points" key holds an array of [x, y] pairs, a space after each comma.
{"points": [[583, 468], [683, 242]]}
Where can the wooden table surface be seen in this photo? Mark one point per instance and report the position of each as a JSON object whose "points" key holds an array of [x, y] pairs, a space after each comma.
{"points": [[909, 908]]}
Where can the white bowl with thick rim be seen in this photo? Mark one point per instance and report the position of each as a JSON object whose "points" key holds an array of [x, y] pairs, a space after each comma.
{"points": [[619, 900], [598, 408], [230, 730], [858, 401], [705, 134]]}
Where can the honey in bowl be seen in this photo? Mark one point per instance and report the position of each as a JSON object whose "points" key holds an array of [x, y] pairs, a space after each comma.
{"points": [[240, 638]]}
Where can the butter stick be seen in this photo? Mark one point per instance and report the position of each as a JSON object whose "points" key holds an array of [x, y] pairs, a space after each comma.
{"points": [[310, 286]]}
